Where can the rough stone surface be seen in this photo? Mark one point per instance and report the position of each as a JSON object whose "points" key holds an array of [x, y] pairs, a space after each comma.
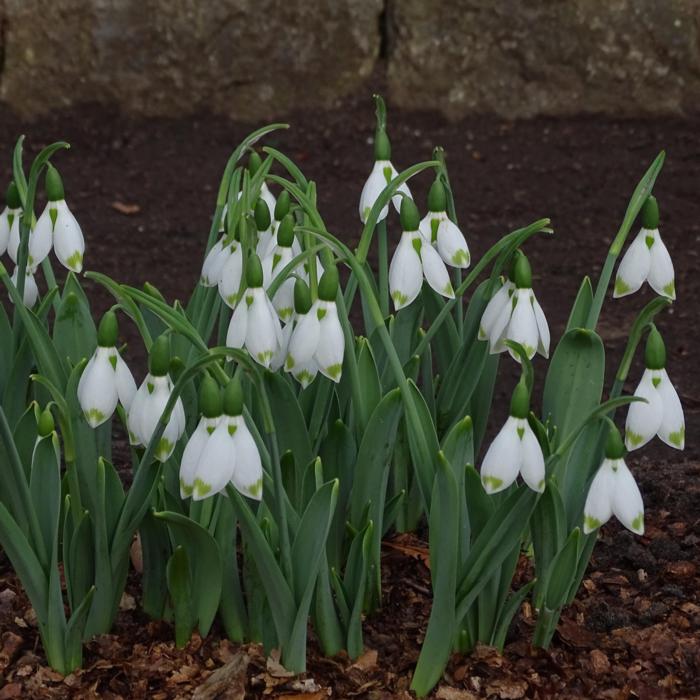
{"points": [[518, 58], [250, 59]]}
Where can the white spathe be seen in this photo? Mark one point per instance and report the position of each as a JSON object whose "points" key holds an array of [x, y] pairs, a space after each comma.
{"points": [[661, 415], [105, 380], [613, 491], [519, 318], [414, 260], [446, 236], [515, 450], [647, 259], [145, 412], [382, 174], [255, 326]]}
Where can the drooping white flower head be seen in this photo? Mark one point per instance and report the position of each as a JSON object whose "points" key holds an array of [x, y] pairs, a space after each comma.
{"points": [[39, 244], [514, 314], [227, 454], [383, 172], [31, 291], [263, 223], [213, 264], [278, 256], [515, 450], [614, 491], [231, 272], [255, 325], [8, 215], [414, 260], [443, 234], [149, 403], [317, 343], [647, 259], [106, 378], [662, 414]]}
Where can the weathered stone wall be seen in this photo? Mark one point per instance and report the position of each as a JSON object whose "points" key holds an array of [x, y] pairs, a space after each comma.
{"points": [[257, 59]]}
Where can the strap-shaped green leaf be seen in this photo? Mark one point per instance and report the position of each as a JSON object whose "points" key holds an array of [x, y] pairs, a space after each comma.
{"points": [[181, 595], [358, 587], [74, 332], [582, 306]]}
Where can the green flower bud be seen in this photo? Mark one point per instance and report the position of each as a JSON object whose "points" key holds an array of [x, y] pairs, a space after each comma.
{"points": [[262, 215], [254, 162], [54, 185], [285, 232], [159, 360], [328, 284], [614, 447], [108, 330], [437, 197], [522, 272], [254, 272], [410, 218], [45, 424], [382, 145], [210, 401], [12, 198], [655, 352], [153, 291], [283, 205], [520, 401], [233, 398], [302, 297], [650, 213], [176, 367]]}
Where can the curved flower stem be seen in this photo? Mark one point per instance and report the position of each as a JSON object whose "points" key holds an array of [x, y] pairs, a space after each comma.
{"points": [[383, 268]]}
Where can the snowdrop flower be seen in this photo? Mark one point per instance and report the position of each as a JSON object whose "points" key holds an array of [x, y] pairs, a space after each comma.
{"points": [[106, 378], [31, 291], [442, 233], [646, 259], [58, 222], [614, 491], [211, 407], [9, 214], [415, 259], [229, 453], [662, 414], [40, 242], [278, 256], [254, 324], [382, 174], [317, 342], [231, 273], [263, 222], [149, 402], [519, 316], [214, 263], [515, 450]]}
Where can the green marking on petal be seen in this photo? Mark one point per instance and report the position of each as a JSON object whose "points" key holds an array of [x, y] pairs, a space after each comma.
{"points": [[656, 381], [164, 448], [10, 219], [540, 486], [621, 287], [399, 298], [304, 377], [265, 356], [417, 244], [53, 215], [434, 226], [286, 313], [365, 213], [150, 387], [447, 290], [633, 439], [275, 259], [94, 415], [186, 488], [211, 429], [521, 432], [491, 481], [289, 362], [591, 523], [670, 289], [638, 523], [461, 257], [482, 333], [249, 299], [334, 370], [113, 362], [231, 299], [232, 429], [75, 261], [200, 488], [649, 240], [678, 438], [387, 174], [255, 490], [320, 313]]}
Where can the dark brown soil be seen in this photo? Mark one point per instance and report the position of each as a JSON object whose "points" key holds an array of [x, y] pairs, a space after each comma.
{"points": [[634, 630]]}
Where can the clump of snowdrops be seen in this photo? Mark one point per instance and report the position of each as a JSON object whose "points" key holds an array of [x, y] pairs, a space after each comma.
{"points": [[274, 442]]}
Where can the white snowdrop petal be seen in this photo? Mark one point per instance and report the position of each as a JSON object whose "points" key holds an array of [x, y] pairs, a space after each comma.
{"points": [[265, 238], [494, 308], [436, 274], [42, 236], [405, 273], [126, 386], [305, 372], [213, 263], [133, 419], [304, 340], [598, 507], [268, 197], [248, 474], [281, 354], [373, 187], [263, 327], [627, 504], [31, 291], [634, 268], [97, 389], [661, 275], [230, 276], [672, 429], [13, 241], [452, 245], [216, 463], [6, 216], [190, 456], [238, 326], [68, 239], [331, 344], [499, 329], [523, 325], [503, 459], [542, 328], [643, 419], [532, 467]]}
